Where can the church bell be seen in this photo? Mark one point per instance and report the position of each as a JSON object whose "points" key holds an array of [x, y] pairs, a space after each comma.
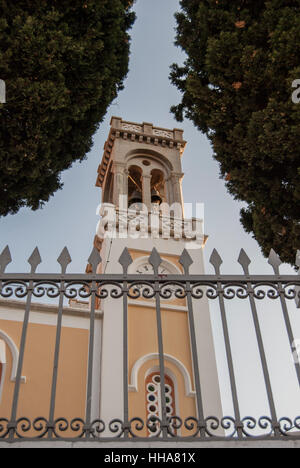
{"points": [[155, 197], [136, 197]]}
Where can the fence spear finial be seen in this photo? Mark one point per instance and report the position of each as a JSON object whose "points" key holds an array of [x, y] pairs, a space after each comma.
{"points": [[5, 259], [125, 260], [186, 261], [216, 261], [155, 260], [244, 261], [298, 259], [34, 260], [94, 260], [64, 260], [275, 261]]}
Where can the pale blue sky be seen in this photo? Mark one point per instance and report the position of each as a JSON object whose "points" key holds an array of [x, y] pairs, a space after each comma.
{"points": [[69, 219]]}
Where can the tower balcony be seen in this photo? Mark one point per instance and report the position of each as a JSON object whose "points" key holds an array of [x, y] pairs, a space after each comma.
{"points": [[133, 223]]}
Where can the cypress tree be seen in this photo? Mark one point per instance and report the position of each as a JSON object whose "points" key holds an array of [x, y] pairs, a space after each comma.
{"points": [[237, 87], [63, 63]]}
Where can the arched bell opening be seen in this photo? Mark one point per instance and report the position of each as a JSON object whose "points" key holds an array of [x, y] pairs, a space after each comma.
{"points": [[135, 191], [157, 187]]}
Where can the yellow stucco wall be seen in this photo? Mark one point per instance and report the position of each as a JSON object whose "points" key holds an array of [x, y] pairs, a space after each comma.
{"points": [[34, 398], [71, 388], [142, 330]]}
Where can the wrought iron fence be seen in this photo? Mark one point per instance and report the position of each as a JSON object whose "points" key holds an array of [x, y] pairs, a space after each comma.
{"points": [[190, 287]]}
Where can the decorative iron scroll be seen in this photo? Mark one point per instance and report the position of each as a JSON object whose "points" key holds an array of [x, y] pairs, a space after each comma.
{"points": [[155, 288], [77, 429], [168, 289]]}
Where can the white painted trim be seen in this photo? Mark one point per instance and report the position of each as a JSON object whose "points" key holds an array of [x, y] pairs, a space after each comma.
{"points": [[133, 386], [2, 352], [15, 355], [41, 317], [152, 305], [3, 362], [145, 153]]}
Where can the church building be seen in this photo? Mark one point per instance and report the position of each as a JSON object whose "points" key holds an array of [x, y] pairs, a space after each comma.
{"points": [[142, 211]]}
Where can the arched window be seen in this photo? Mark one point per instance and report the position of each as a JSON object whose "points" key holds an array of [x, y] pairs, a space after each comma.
{"points": [[135, 190], [157, 187], [148, 173], [153, 399], [7, 343]]}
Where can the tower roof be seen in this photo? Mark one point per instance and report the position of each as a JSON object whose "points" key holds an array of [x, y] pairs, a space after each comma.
{"points": [[141, 133]]}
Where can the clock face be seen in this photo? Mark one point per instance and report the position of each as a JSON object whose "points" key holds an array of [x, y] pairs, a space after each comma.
{"points": [[147, 269]]}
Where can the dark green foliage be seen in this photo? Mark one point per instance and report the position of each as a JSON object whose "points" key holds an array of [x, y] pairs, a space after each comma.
{"points": [[242, 58], [63, 62]]}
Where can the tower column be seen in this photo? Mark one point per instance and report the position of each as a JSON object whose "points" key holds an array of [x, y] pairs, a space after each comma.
{"points": [[119, 182], [169, 191], [125, 186], [147, 191], [176, 179]]}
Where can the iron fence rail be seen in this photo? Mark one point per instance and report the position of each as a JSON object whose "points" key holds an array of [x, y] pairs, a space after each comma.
{"points": [[157, 287]]}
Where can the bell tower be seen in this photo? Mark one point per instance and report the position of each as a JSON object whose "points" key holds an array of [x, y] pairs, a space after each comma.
{"points": [[143, 162], [142, 208]]}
